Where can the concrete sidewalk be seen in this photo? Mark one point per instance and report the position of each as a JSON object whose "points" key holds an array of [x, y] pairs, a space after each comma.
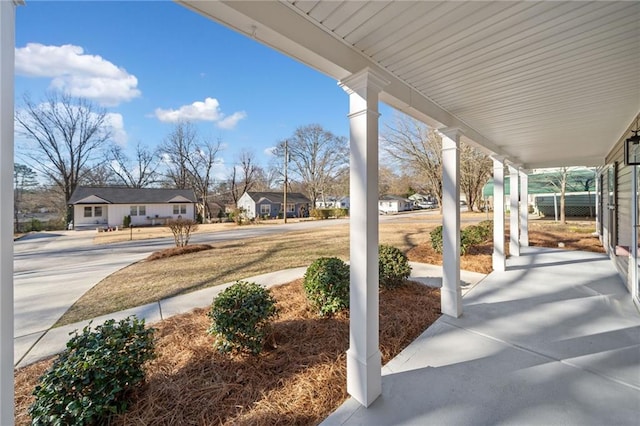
{"points": [[553, 340], [54, 340]]}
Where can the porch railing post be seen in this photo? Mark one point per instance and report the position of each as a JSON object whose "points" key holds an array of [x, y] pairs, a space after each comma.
{"points": [[514, 211], [524, 209], [7, 49], [364, 363], [498, 215], [451, 292]]}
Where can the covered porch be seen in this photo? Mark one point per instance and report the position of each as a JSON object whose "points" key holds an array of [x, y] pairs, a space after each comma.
{"points": [[533, 84], [554, 339]]}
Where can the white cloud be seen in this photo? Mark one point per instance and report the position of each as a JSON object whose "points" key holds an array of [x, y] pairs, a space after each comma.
{"points": [[115, 123], [230, 122], [209, 110], [76, 73], [271, 151]]}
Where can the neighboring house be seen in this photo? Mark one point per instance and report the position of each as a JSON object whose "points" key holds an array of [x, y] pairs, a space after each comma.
{"points": [[343, 203], [423, 201], [270, 204], [333, 202], [394, 204], [326, 202], [107, 206]]}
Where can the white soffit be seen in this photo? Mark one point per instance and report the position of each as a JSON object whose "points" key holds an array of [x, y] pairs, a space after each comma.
{"points": [[542, 83], [179, 199], [93, 199]]}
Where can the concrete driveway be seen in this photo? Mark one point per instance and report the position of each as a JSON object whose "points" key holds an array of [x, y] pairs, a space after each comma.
{"points": [[54, 269]]}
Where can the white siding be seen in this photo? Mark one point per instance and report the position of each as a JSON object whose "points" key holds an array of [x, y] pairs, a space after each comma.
{"points": [[81, 221], [113, 214], [246, 203]]}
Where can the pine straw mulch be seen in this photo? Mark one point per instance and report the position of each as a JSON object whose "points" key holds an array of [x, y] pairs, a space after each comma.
{"points": [[541, 234], [177, 251], [300, 378]]}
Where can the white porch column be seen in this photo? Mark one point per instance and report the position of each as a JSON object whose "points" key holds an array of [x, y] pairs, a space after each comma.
{"points": [[364, 376], [7, 47], [498, 215], [451, 292], [514, 212], [524, 209]]}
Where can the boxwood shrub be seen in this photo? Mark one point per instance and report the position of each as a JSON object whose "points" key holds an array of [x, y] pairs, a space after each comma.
{"points": [[436, 239], [89, 380], [393, 266], [326, 285], [241, 317], [470, 236]]}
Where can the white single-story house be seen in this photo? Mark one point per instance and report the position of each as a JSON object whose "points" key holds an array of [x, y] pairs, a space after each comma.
{"points": [[107, 206], [394, 204], [270, 204]]}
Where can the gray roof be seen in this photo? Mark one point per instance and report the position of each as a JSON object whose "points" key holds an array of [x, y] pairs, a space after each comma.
{"points": [[278, 197], [120, 195]]}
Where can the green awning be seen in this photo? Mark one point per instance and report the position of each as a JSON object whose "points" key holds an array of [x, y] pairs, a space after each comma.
{"points": [[579, 180]]}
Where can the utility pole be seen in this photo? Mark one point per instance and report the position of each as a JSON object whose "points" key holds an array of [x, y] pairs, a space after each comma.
{"points": [[286, 162]]}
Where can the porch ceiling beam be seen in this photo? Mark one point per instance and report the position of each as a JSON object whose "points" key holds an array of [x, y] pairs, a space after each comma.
{"points": [[280, 26]]}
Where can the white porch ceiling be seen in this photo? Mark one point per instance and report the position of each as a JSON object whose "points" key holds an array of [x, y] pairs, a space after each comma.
{"points": [[542, 83]]}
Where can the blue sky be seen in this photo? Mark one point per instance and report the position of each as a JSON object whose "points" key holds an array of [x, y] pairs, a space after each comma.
{"points": [[149, 63]]}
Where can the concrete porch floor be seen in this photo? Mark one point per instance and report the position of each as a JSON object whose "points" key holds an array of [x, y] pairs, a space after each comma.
{"points": [[553, 340]]}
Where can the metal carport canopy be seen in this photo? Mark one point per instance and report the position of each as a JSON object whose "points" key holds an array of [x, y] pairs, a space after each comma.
{"points": [[542, 84]]}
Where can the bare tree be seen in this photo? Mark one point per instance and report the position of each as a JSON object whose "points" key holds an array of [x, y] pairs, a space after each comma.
{"points": [[243, 177], [264, 180], [24, 178], [190, 161], [475, 170], [560, 181], [417, 147], [174, 153], [201, 162], [99, 175], [316, 157], [67, 133], [140, 172]]}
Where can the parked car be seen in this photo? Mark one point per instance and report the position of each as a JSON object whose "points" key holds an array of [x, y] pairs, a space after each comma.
{"points": [[428, 205]]}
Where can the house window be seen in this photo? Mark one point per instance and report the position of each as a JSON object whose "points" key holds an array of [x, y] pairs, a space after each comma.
{"points": [[87, 212], [179, 209], [265, 209], [97, 211], [291, 207], [138, 210]]}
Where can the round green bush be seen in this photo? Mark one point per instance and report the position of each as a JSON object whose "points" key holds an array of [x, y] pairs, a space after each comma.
{"points": [[241, 316], [487, 225], [326, 285], [89, 380], [436, 239], [393, 266]]}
